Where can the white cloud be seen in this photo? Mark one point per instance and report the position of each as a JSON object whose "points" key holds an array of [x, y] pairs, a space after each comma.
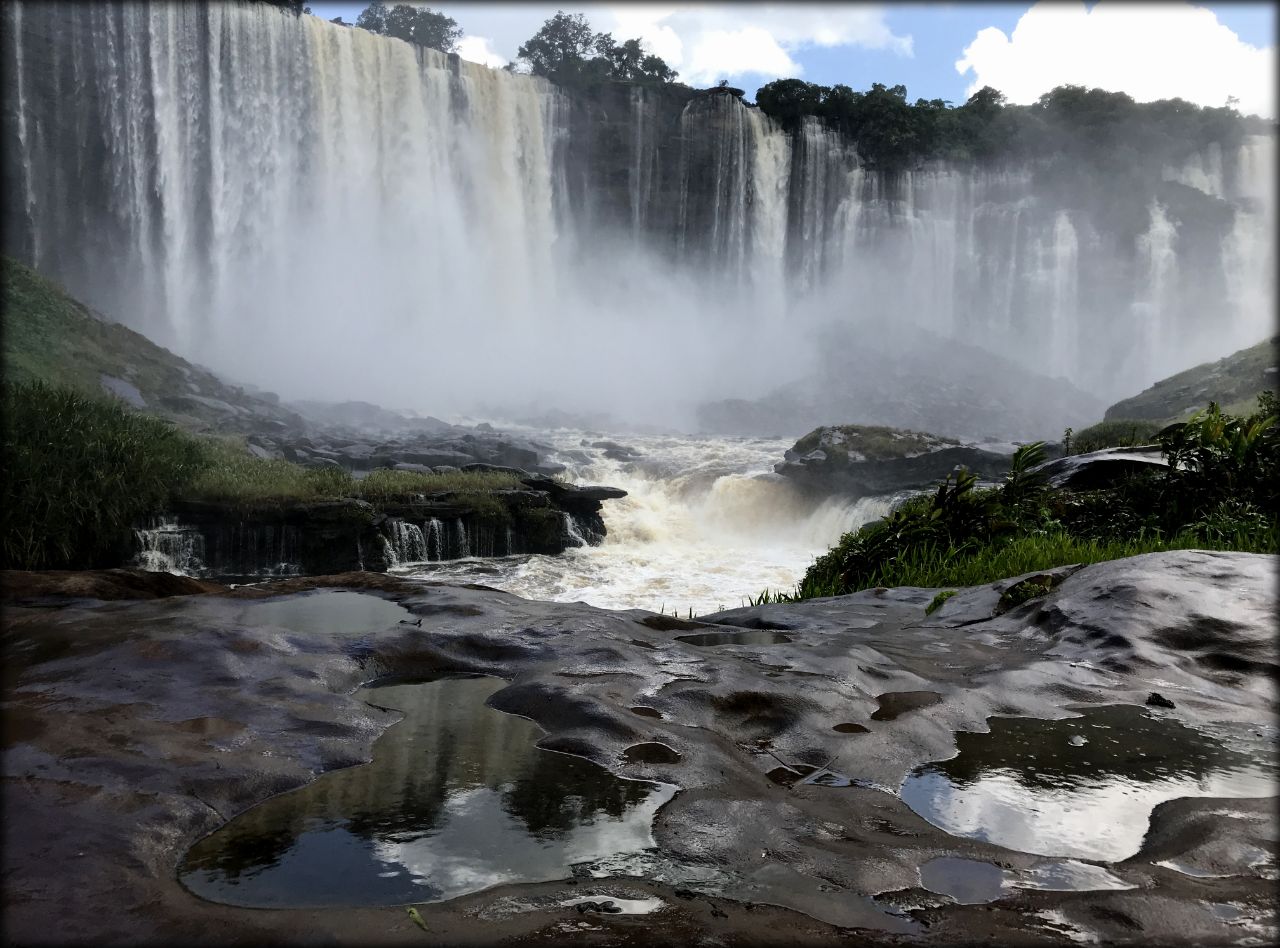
{"points": [[479, 49], [1151, 51], [707, 42], [703, 42]]}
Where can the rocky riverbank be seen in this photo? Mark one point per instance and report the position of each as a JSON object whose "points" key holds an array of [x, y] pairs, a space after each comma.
{"points": [[866, 460], [537, 514], [793, 734]]}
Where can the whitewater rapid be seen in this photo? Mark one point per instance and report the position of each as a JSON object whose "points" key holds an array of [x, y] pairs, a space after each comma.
{"points": [[705, 524]]}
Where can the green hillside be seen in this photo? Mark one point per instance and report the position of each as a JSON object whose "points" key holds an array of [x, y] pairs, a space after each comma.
{"points": [[51, 337], [1234, 383]]}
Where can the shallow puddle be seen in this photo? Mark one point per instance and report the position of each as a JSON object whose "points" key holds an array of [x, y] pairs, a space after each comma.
{"points": [[968, 881], [1031, 785], [456, 800], [741, 637], [972, 881], [612, 905], [329, 612]]}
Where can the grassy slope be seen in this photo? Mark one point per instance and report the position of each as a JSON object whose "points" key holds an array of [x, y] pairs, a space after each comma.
{"points": [[51, 337], [65, 424], [1234, 383]]}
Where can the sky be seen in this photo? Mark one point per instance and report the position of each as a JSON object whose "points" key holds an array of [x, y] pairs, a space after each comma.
{"points": [[1202, 53]]}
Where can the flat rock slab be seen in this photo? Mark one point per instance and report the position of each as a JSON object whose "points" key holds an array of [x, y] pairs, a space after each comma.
{"points": [[133, 728]]}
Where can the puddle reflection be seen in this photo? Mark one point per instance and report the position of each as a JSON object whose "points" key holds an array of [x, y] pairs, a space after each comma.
{"points": [[329, 612], [1028, 786], [457, 799]]}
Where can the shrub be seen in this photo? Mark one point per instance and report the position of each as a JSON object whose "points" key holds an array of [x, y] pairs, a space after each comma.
{"points": [[1221, 490]]}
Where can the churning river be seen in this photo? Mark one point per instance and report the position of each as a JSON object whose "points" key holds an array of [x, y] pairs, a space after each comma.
{"points": [[705, 524]]}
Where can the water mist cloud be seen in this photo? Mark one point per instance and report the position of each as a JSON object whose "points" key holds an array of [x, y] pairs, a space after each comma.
{"points": [[1150, 51]]}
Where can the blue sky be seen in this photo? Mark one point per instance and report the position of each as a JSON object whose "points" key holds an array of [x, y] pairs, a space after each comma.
{"points": [[1200, 52]]}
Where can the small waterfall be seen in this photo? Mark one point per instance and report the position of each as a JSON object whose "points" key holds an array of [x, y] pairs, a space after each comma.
{"points": [[407, 542], [435, 540], [167, 546], [573, 536], [246, 549], [1156, 291], [463, 542]]}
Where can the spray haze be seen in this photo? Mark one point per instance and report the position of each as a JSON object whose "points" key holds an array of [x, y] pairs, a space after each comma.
{"points": [[333, 214]]}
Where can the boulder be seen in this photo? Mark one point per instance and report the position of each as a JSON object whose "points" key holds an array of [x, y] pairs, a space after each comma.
{"points": [[862, 460], [1098, 469]]}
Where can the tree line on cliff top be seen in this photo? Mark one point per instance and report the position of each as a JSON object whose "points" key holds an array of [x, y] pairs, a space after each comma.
{"points": [[1070, 123]]}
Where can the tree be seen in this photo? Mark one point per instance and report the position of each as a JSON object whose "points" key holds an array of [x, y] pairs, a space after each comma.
{"points": [[790, 100], [420, 26], [559, 50], [655, 69], [566, 50]]}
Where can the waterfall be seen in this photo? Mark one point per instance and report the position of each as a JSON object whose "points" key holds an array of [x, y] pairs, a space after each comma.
{"points": [[1158, 282], [573, 536], [435, 541], [407, 543], [463, 545], [169, 547], [213, 172]]}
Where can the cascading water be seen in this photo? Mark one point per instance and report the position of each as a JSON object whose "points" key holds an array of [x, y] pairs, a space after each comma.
{"points": [[435, 541], [169, 547], [407, 542], [355, 205], [705, 523], [207, 172]]}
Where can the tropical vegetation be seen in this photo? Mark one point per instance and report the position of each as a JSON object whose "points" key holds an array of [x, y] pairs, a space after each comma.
{"points": [[1069, 124], [1220, 490]]}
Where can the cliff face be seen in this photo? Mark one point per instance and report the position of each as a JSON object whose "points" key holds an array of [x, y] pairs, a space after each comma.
{"points": [[216, 173]]}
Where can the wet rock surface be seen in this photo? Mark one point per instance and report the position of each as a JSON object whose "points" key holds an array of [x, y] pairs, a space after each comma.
{"points": [[860, 460], [135, 728], [1099, 469]]}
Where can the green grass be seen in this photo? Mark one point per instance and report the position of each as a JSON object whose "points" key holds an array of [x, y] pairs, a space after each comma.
{"points": [[932, 567], [388, 485], [53, 338], [231, 476], [79, 472], [1123, 433], [1220, 491], [1233, 382], [950, 567]]}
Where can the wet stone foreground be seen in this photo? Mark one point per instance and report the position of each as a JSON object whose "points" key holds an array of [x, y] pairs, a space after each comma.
{"points": [[339, 750]]}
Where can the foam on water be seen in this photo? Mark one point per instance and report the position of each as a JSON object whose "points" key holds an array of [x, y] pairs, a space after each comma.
{"points": [[705, 523]]}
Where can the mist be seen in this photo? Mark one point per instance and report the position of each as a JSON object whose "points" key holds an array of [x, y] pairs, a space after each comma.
{"points": [[330, 214]]}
